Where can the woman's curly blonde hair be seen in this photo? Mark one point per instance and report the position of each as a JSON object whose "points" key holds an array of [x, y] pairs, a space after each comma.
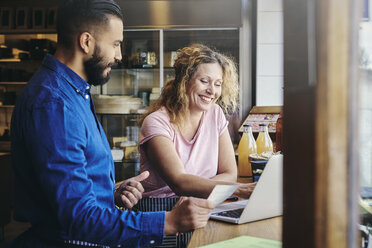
{"points": [[174, 97]]}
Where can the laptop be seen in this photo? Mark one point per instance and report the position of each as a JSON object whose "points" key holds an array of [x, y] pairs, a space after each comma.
{"points": [[265, 201]]}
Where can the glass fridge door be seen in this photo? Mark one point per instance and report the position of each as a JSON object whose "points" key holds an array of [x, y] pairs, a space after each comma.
{"points": [[126, 95]]}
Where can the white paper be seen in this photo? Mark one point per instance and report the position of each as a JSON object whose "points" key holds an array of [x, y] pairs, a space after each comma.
{"points": [[221, 193]]}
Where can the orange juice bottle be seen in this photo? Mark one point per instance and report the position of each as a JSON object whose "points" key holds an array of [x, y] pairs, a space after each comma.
{"points": [[263, 142], [247, 146]]}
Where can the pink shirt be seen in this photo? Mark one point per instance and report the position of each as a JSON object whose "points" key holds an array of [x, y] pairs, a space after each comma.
{"points": [[199, 156]]}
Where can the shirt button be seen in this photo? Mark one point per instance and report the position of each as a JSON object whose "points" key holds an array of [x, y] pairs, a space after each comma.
{"points": [[86, 97], [87, 87], [77, 91], [152, 241]]}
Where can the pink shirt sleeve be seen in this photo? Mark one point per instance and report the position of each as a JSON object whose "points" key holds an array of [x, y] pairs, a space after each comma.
{"points": [[222, 122], [199, 155], [156, 124]]}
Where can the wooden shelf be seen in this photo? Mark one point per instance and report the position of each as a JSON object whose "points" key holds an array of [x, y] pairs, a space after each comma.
{"points": [[7, 106], [10, 60], [13, 83], [146, 69], [118, 113], [27, 65], [4, 145], [28, 31], [19, 61]]}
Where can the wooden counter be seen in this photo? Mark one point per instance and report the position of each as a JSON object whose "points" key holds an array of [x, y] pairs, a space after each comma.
{"points": [[216, 231]]}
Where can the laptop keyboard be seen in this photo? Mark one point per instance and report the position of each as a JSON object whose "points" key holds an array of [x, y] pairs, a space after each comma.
{"points": [[235, 213]]}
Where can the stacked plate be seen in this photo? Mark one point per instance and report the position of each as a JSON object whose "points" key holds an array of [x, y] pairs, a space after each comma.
{"points": [[105, 104]]}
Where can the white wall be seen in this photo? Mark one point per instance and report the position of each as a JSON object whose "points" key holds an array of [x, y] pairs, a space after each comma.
{"points": [[365, 101], [269, 80]]}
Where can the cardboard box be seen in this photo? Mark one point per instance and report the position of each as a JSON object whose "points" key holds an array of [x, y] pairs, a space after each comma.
{"points": [[262, 115]]}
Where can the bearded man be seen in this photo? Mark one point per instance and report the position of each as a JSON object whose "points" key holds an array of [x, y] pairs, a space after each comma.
{"points": [[63, 168]]}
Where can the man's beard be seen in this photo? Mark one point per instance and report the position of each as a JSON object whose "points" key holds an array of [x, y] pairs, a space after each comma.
{"points": [[95, 67]]}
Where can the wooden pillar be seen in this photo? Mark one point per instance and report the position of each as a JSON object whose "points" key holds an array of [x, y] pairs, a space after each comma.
{"points": [[319, 54]]}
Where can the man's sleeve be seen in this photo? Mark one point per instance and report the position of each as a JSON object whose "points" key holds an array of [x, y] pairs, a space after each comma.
{"points": [[57, 145]]}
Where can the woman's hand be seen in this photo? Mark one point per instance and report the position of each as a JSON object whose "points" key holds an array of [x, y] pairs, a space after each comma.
{"points": [[245, 190]]}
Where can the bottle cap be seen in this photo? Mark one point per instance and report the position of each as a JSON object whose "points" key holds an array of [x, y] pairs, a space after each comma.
{"points": [[263, 124], [247, 125]]}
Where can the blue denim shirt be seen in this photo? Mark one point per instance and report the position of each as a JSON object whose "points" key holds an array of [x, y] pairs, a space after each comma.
{"points": [[63, 168]]}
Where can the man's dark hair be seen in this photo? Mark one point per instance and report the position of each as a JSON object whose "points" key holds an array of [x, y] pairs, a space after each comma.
{"points": [[78, 16]]}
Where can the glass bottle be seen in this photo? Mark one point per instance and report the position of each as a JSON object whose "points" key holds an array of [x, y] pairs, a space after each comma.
{"points": [[247, 146], [263, 142]]}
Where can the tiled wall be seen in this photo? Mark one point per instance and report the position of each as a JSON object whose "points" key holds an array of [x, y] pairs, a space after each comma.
{"points": [[269, 79]]}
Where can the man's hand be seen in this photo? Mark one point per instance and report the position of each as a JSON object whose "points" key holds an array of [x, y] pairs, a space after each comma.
{"points": [[130, 191], [189, 213], [245, 190]]}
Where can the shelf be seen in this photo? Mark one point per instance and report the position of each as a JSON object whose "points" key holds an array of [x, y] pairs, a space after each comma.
{"points": [[10, 60], [26, 65], [138, 70], [13, 83], [143, 69], [113, 112], [15, 60], [28, 31], [146, 69], [117, 112], [4, 145]]}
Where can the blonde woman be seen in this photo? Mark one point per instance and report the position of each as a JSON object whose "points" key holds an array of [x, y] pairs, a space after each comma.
{"points": [[184, 141]]}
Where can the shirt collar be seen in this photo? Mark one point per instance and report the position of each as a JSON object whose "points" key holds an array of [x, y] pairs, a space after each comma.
{"points": [[80, 85]]}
